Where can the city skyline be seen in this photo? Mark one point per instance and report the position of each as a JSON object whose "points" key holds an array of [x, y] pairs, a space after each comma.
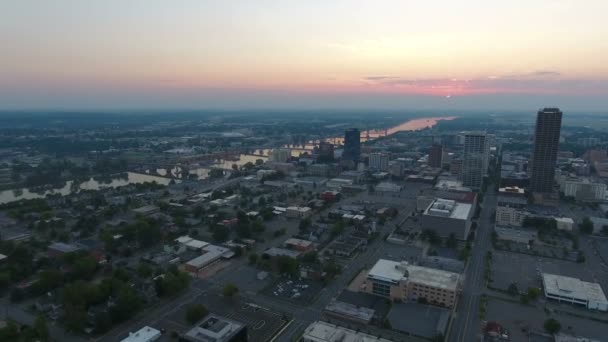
{"points": [[270, 54]]}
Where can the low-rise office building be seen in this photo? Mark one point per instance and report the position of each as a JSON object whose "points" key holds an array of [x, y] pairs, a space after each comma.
{"points": [[511, 206], [448, 217], [516, 234], [403, 282], [574, 291], [598, 224], [299, 244], [338, 183], [387, 187], [298, 212], [145, 334], [564, 223], [582, 188], [211, 255], [326, 332], [214, 328], [349, 312]]}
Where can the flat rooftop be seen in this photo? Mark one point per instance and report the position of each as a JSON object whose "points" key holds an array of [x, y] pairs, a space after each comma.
{"points": [[275, 251], [434, 277], [573, 288], [145, 334], [387, 270], [426, 321], [449, 208], [298, 242], [393, 271], [516, 232], [214, 328], [350, 310], [204, 259], [326, 332]]}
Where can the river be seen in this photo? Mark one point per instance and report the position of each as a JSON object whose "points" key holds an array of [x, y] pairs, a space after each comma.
{"points": [[410, 125], [7, 196]]}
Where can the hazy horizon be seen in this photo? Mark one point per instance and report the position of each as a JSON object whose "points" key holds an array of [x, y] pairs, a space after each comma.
{"points": [[153, 54]]}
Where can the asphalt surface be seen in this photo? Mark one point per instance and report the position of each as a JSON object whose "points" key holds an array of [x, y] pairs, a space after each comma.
{"points": [[466, 323], [303, 316]]}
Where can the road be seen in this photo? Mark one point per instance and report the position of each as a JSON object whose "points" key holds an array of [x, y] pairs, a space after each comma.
{"points": [[466, 324], [303, 316], [154, 314]]}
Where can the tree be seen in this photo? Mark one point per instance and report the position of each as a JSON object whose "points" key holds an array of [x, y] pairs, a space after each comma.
{"points": [[253, 258], [172, 283], [337, 229], [230, 290], [103, 322], [287, 265], [127, 304], [220, 233], [304, 224], [431, 236], [586, 226], [195, 313], [451, 242], [332, 268], [144, 270], [148, 233], [10, 332], [310, 257], [533, 293], [41, 329], [74, 317], [552, 326]]}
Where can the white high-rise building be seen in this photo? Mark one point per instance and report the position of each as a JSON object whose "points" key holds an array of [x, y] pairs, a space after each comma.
{"points": [[475, 159], [280, 155], [379, 161]]}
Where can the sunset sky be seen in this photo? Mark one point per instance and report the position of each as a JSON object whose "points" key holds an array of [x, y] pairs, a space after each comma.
{"points": [[467, 54]]}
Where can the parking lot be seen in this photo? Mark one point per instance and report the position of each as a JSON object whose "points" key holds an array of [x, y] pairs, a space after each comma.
{"points": [[601, 246], [296, 291], [525, 270], [245, 277], [262, 324], [519, 319], [400, 253]]}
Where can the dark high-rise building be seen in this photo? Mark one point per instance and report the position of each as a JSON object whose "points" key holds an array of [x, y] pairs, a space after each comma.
{"points": [[325, 152], [546, 145], [436, 155], [352, 145], [475, 159]]}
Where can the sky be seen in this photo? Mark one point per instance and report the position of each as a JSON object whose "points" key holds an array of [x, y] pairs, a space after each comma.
{"points": [[188, 54]]}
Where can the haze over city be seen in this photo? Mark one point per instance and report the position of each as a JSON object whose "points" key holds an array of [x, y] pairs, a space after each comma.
{"points": [[303, 171], [153, 54]]}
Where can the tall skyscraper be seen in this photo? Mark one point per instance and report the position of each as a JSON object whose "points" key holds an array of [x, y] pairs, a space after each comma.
{"points": [[546, 145], [352, 145], [436, 155], [475, 159], [379, 161], [325, 152]]}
